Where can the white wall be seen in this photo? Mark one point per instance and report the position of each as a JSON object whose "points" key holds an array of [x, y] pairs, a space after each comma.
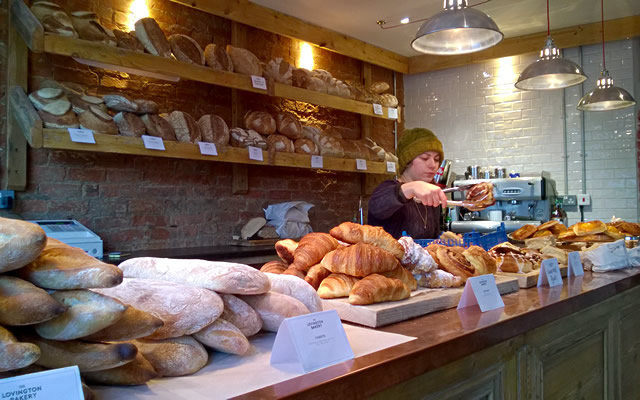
{"points": [[482, 119]]}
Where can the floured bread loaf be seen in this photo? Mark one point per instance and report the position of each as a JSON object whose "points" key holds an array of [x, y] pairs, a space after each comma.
{"points": [[288, 125], [279, 71], [137, 372], [82, 103], [240, 314], [88, 28], [174, 357], [306, 146], [118, 102], [280, 143], [223, 336], [53, 18], [129, 124], [98, 121], [327, 145], [152, 37], [22, 303], [20, 243], [128, 40], [186, 49], [214, 130], [244, 61], [296, 288], [217, 58], [133, 324], [158, 126], [274, 308], [245, 138], [185, 127], [260, 121], [14, 354]]}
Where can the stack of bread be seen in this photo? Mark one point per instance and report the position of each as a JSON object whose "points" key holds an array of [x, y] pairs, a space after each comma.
{"points": [[126, 325]]}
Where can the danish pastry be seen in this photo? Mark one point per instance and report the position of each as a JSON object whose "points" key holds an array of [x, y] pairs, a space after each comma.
{"points": [[455, 263], [524, 232], [589, 228]]}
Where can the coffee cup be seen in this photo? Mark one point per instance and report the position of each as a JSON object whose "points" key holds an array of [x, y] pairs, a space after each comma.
{"points": [[495, 215]]}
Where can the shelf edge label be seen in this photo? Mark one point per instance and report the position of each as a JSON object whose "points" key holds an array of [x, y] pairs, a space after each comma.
{"points": [[391, 167], [392, 113], [153, 143], [81, 135], [208, 149], [255, 153], [258, 82], [377, 109], [317, 162], [361, 164]]}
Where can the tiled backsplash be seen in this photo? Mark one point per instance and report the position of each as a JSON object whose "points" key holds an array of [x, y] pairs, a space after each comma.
{"points": [[481, 118]]}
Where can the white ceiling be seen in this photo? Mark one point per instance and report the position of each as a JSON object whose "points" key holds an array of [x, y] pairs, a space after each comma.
{"points": [[357, 18]]}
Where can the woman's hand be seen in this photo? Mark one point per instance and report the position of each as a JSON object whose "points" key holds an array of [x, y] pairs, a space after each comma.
{"points": [[428, 194]]}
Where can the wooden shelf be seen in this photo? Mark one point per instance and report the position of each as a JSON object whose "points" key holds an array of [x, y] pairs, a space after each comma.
{"points": [[59, 139]]}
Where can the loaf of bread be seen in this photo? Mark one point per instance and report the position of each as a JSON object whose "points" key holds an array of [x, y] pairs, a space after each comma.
{"points": [[260, 121], [244, 61], [22, 303], [81, 103], [152, 37], [133, 324], [296, 288], [223, 336], [240, 314], [280, 143], [336, 285], [46, 96], [87, 26], [311, 248], [185, 127], [377, 289], [174, 357], [355, 233], [379, 87], [327, 145], [217, 58], [158, 126], [69, 268], [118, 102], [245, 138], [214, 130], [388, 100], [129, 124], [288, 125], [137, 372], [53, 18], [183, 309], [274, 267], [306, 146], [404, 275], [65, 121], [360, 259], [128, 40], [278, 70], [316, 275], [186, 49], [146, 106], [87, 312], [285, 249], [20, 243], [14, 354], [274, 308], [98, 121], [223, 277]]}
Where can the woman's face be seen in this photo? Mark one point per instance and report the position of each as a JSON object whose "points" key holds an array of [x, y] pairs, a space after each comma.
{"points": [[423, 167]]}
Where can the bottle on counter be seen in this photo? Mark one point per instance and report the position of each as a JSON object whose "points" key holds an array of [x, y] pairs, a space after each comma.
{"points": [[558, 213]]}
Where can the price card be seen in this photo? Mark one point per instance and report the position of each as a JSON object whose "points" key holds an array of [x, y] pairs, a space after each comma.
{"points": [[550, 273], [208, 149], [391, 167], [393, 113], [258, 82], [316, 162], [54, 384], [311, 341], [153, 143], [255, 153], [483, 291], [361, 164], [81, 135], [575, 265], [377, 109]]}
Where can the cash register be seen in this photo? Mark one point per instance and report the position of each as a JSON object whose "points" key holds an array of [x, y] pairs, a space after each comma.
{"points": [[73, 233]]}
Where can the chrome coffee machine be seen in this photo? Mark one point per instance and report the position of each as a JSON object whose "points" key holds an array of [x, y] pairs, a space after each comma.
{"points": [[519, 201]]}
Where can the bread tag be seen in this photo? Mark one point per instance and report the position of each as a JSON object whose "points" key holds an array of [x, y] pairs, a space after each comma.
{"points": [[258, 82], [61, 383], [549, 273], [483, 291], [81, 135], [255, 153], [377, 109], [361, 165], [392, 113], [575, 265], [391, 167], [208, 149], [153, 143], [316, 162]]}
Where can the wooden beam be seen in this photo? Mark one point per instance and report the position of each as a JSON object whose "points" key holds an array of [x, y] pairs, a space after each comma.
{"points": [[27, 25], [615, 29], [273, 21], [25, 116]]}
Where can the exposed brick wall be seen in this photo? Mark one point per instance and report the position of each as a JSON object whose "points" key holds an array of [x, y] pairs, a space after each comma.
{"points": [[144, 202]]}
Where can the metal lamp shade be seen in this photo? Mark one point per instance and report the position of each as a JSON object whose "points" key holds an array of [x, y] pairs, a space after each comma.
{"points": [[605, 96], [457, 31]]}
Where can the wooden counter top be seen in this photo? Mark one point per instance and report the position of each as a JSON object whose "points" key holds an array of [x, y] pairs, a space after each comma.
{"points": [[450, 335]]}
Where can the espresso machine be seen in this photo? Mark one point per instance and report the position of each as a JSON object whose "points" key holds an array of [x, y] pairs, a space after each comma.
{"points": [[519, 201]]}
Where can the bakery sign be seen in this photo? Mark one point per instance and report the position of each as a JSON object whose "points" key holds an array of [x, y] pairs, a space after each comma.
{"points": [[55, 384]]}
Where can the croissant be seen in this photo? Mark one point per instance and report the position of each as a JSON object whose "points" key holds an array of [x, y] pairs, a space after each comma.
{"points": [[455, 263], [311, 248], [376, 288], [275, 267], [316, 274], [336, 285], [294, 272], [285, 249], [360, 260], [404, 275], [354, 233], [438, 279]]}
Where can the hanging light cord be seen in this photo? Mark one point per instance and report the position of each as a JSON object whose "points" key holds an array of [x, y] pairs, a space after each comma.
{"points": [[548, 29], [602, 20]]}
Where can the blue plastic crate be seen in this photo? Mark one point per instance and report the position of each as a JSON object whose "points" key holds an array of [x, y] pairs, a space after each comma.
{"points": [[486, 241]]}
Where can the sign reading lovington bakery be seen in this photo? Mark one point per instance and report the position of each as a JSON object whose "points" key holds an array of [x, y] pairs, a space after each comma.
{"points": [[55, 384]]}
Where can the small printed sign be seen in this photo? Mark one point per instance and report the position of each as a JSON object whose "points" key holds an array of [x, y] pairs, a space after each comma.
{"points": [[153, 143], [258, 82], [483, 291], [54, 384], [550, 273], [317, 162], [81, 135], [311, 342], [255, 153], [392, 113], [361, 164], [208, 149], [391, 167], [575, 267], [377, 109]]}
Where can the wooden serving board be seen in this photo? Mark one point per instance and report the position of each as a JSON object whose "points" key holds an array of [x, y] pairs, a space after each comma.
{"points": [[422, 301], [530, 279]]}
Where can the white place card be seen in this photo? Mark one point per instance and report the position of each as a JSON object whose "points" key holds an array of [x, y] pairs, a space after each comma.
{"points": [[311, 341], [208, 149], [575, 267], [550, 273], [258, 82], [153, 142], [392, 113], [391, 167], [377, 109], [483, 291], [361, 164], [54, 384], [255, 153], [81, 135], [317, 162]]}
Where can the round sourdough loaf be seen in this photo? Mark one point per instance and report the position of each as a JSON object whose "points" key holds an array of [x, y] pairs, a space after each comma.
{"points": [[288, 125], [244, 61], [152, 37], [128, 40], [214, 130], [155, 125], [306, 146], [146, 106], [186, 49], [118, 102], [80, 103], [88, 28], [185, 127], [279, 71], [98, 121], [129, 124], [280, 143], [260, 121], [217, 58]]}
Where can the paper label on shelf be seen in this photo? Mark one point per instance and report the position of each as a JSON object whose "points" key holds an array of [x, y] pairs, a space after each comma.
{"points": [[54, 384], [483, 291], [575, 267], [258, 82], [153, 143], [81, 135], [208, 149], [377, 109], [311, 341], [361, 164], [316, 162], [393, 113], [255, 153], [550, 273], [391, 166]]}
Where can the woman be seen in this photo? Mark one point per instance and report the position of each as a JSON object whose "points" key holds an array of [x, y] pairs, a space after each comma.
{"points": [[411, 203]]}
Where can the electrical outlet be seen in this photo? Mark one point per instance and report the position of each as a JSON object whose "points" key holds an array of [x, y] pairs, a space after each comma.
{"points": [[569, 200], [6, 199], [584, 199]]}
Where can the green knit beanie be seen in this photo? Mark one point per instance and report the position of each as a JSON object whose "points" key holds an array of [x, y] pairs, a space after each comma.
{"points": [[415, 142]]}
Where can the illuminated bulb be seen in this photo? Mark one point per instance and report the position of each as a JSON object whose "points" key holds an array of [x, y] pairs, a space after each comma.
{"points": [[306, 56], [137, 10], [404, 20]]}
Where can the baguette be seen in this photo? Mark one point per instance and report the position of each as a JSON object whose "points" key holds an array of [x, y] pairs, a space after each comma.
{"points": [[14, 354], [296, 288], [134, 324], [174, 357], [20, 243], [274, 308], [137, 372], [22, 303], [240, 314], [223, 336]]}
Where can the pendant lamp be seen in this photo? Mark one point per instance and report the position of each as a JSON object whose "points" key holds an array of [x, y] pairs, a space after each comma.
{"points": [[550, 71], [457, 30], [605, 96]]}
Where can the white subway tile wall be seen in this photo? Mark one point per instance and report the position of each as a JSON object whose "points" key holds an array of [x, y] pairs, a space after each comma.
{"points": [[482, 119]]}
